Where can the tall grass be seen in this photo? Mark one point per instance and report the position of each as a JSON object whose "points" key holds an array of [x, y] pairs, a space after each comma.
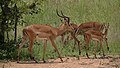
{"points": [[79, 11]]}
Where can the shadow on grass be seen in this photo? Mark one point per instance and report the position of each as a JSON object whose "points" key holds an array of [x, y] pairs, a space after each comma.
{"points": [[39, 62]]}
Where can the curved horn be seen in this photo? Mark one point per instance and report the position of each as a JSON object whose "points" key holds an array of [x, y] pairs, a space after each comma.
{"points": [[62, 14], [58, 14], [68, 19]]}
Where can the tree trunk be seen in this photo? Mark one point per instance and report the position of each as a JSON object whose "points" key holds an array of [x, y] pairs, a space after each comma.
{"points": [[16, 20], [2, 28]]}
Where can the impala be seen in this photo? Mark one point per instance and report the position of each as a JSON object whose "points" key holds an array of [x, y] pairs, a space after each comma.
{"points": [[82, 28], [96, 36], [90, 26], [44, 32], [72, 33]]}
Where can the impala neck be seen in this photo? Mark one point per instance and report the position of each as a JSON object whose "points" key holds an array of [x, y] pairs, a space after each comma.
{"points": [[58, 31], [61, 31]]}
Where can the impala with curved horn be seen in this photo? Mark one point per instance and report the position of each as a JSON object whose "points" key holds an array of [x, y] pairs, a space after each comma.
{"points": [[67, 20], [44, 32]]}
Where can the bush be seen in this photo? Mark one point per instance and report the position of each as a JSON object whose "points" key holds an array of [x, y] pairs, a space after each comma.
{"points": [[8, 51]]}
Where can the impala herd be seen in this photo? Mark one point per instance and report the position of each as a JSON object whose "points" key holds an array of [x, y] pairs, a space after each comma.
{"points": [[89, 30]]}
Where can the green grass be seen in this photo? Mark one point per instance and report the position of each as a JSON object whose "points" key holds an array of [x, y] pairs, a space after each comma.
{"points": [[79, 11], [67, 50], [114, 48]]}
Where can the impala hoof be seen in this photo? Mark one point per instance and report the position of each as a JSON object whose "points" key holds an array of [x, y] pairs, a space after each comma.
{"points": [[95, 57], [17, 61], [44, 61], [36, 61], [61, 60], [79, 52], [88, 57], [108, 48], [72, 50]]}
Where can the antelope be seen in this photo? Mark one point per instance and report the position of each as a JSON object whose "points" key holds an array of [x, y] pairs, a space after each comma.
{"points": [[89, 26], [74, 26], [96, 36], [70, 36], [44, 32], [82, 28]]}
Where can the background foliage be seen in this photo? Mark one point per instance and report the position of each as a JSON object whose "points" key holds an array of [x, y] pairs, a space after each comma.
{"points": [[11, 15], [79, 11]]}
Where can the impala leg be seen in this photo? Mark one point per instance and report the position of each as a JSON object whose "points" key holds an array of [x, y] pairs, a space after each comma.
{"points": [[62, 39], [106, 44], [20, 46], [95, 49], [78, 42], [73, 36], [86, 52], [38, 49], [79, 48], [102, 48], [53, 44], [30, 50], [66, 40], [45, 43], [87, 41], [75, 44]]}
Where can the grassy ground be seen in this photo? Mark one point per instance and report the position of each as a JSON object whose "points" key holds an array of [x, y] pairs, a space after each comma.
{"points": [[67, 50], [79, 11]]}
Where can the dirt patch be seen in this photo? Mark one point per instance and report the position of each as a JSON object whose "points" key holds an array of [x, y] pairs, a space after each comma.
{"points": [[69, 62]]}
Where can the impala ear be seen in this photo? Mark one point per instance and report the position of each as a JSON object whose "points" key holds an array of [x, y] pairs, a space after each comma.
{"points": [[59, 14], [107, 26], [67, 21]]}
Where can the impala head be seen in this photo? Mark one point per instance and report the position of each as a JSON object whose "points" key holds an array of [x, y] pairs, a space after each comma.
{"points": [[102, 27], [66, 22], [66, 27], [66, 19], [107, 26]]}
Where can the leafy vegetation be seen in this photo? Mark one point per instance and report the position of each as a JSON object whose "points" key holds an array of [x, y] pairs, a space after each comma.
{"points": [[79, 11], [11, 15]]}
